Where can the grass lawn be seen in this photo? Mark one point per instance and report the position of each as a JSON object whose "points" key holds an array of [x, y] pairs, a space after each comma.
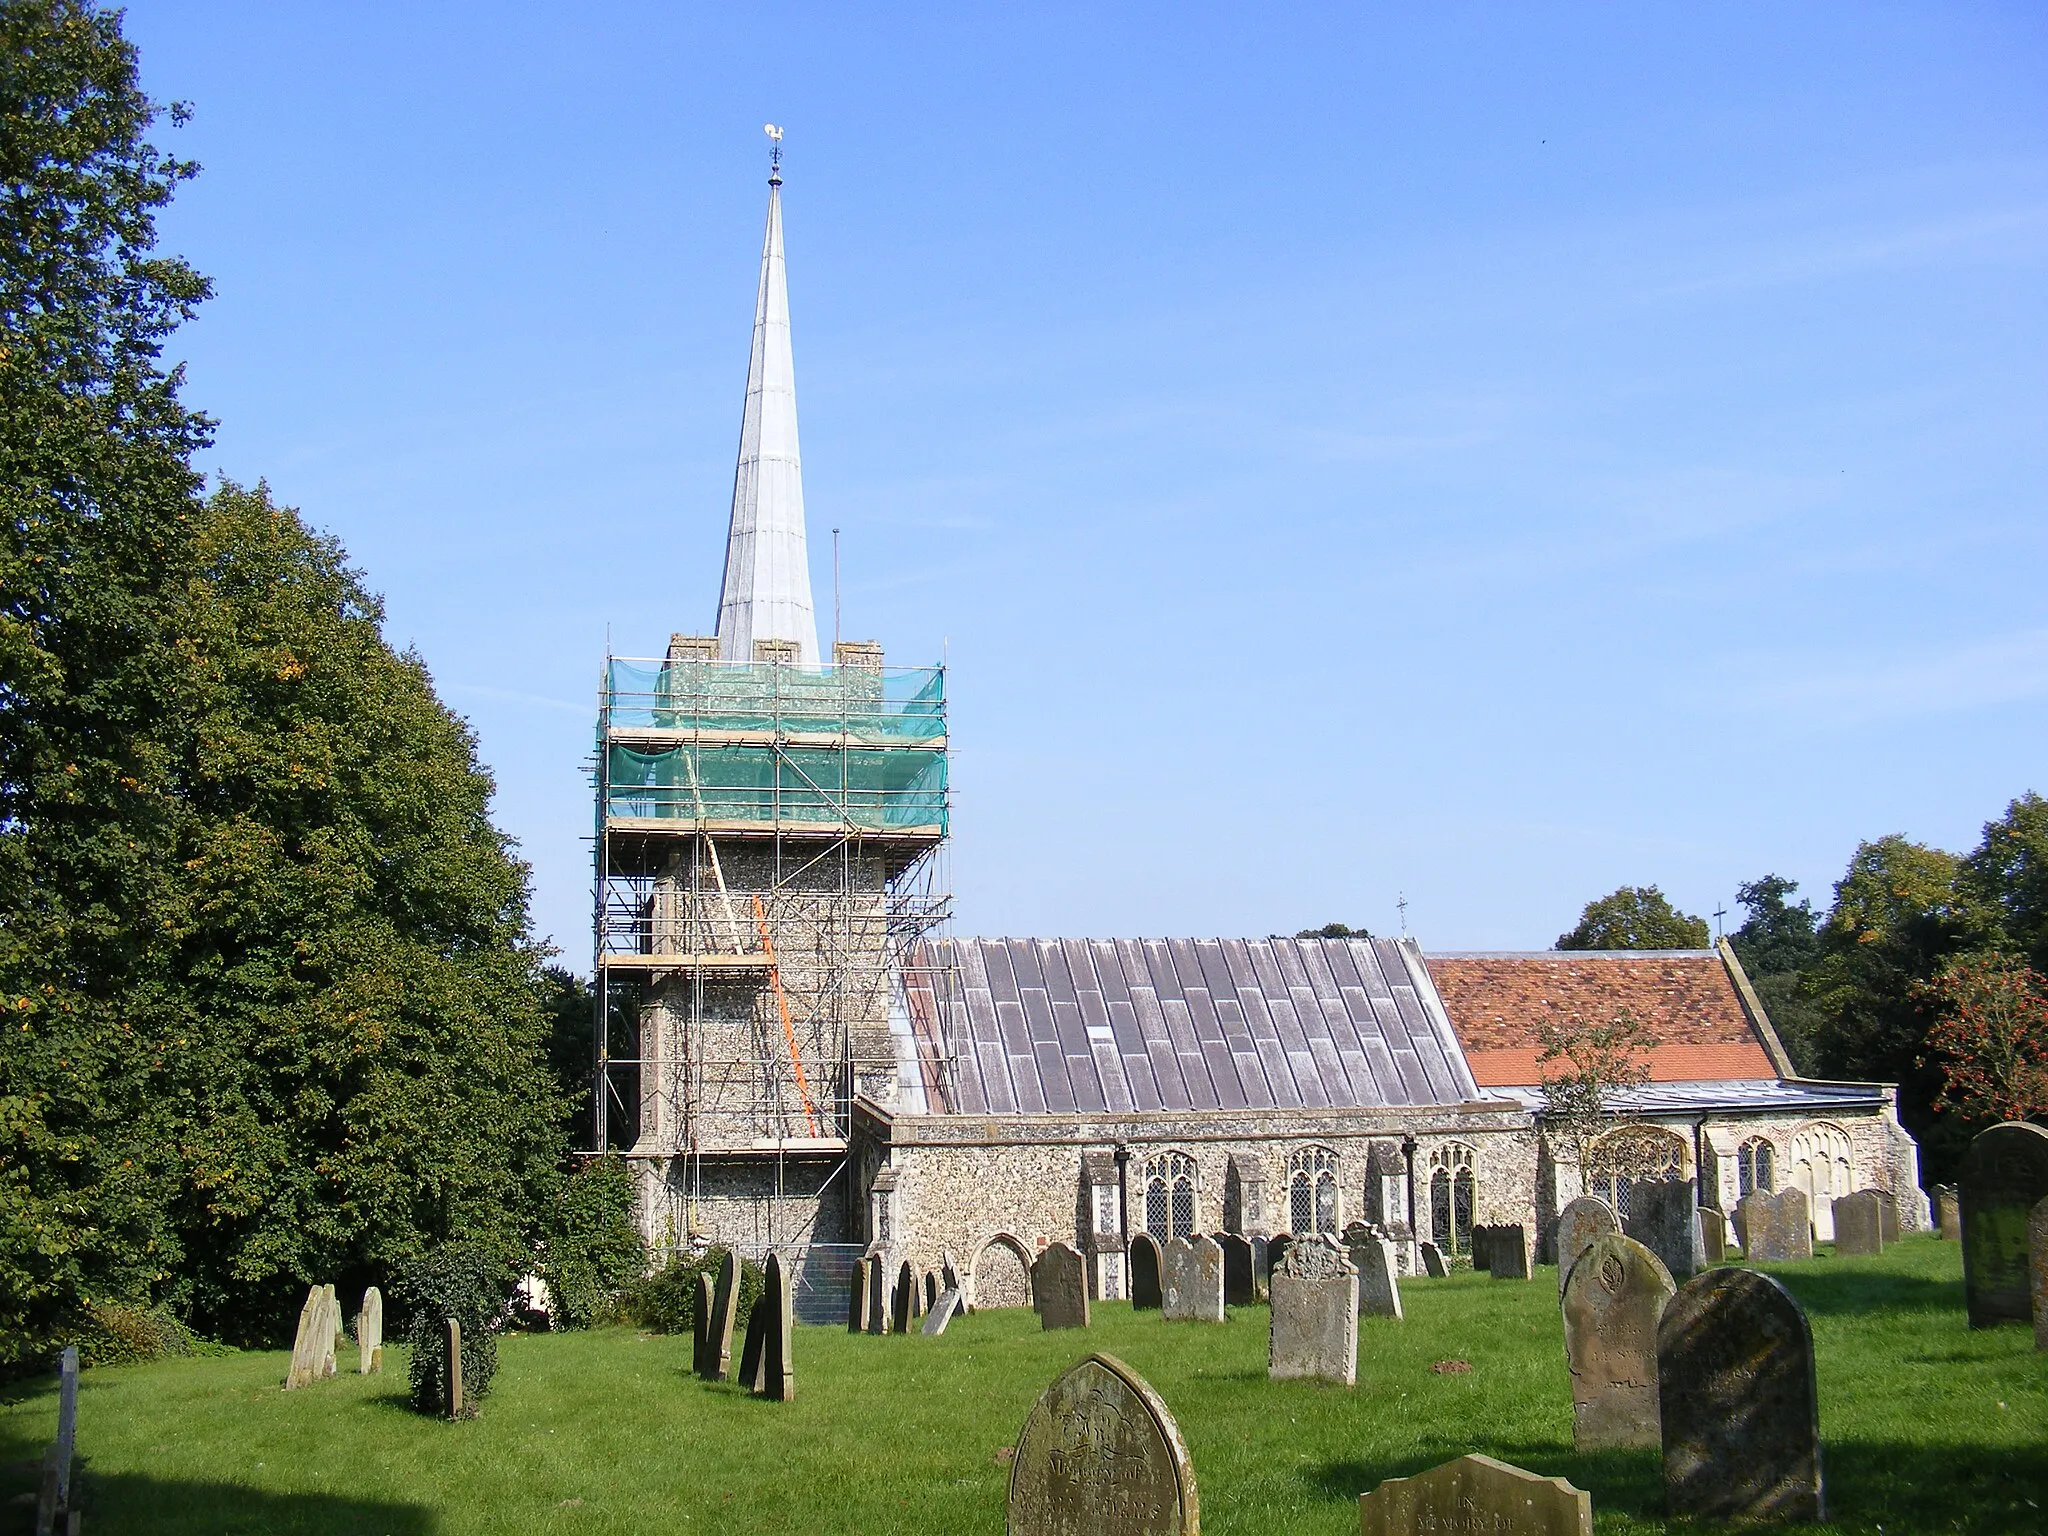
{"points": [[1928, 1427]]}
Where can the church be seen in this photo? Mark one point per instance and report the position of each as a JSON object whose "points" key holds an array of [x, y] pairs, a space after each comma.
{"points": [[796, 1053]]}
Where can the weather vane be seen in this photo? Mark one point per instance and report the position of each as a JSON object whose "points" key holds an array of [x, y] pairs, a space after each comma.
{"points": [[774, 155]]}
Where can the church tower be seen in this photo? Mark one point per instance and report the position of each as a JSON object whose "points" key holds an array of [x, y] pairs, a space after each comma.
{"points": [[770, 827]]}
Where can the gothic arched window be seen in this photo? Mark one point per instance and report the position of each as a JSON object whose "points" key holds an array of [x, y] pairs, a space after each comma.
{"points": [[1756, 1170], [1452, 1190], [1312, 1190], [1169, 1179], [1630, 1155]]}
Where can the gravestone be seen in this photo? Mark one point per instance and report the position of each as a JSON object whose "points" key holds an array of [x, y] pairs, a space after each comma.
{"points": [[754, 1347], [776, 1379], [1433, 1264], [1859, 1224], [306, 1344], [1735, 1388], [1613, 1299], [1664, 1216], [878, 1295], [1315, 1314], [451, 1366], [700, 1325], [1240, 1279], [1100, 1453], [2005, 1173], [1476, 1494], [1948, 1213], [725, 1301], [1507, 1252], [1379, 1289], [2037, 1269], [1578, 1224], [1713, 1234], [370, 1333], [857, 1298], [1059, 1280], [931, 1289], [1146, 1291], [1777, 1229], [941, 1314], [1194, 1282], [903, 1300]]}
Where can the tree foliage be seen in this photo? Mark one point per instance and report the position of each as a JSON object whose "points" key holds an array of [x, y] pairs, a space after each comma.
{"points": [[1634, 917]]}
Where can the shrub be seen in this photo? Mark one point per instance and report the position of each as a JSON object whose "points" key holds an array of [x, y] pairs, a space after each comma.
{"points": [[595, 1252], [666, 1301], [470, 1283]]}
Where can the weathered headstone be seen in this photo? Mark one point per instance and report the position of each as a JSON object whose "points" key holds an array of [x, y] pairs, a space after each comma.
{"points": [[1735, 1388], [1664, 1216], [307, 1344], [2037, 1269], [2004, 1173], [1777, 1229], [1146, 1278], [1578, 1224], [1859, 1224], [1059, 1281], [1433, 1264], [451, 1366], [1948, 1213], [1100, 1453], [1476, 1494], [725, 1302], [857, 1298], [878, 1295], [1194, 1282], [1713, 1234], [700, 1325], [903, 1299], [1613, 1298], [941, 1314], [776, 1379], [1379, 1290], [1240, 1278], [1507, 1252], [370, 1332], [1315, 1313]]}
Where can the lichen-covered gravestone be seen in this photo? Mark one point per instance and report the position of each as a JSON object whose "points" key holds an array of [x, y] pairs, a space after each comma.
{"points": [[1100, 1455], [370, 1333], [776, 1378], [1146, 1266], [941, 1314], [1613, 1299], [1476, 1496], [1059, 1283], [1433, 1264], [2037, 1269], [725, 1300], [1240, 1278], [1578, 1224], [1664, 1216], [1194, 1282], [1315, 1313], [857, 1298], [1507, 1252], [1379, 1290], [1859, 1225], [1735, 1388], [2004, 1174], [1777, 1229]]}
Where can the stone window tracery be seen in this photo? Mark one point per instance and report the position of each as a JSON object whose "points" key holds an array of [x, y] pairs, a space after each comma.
{"points": [[1632, 1155], [1756, 1171], [1453, 1189], [1312, 1190], [1169, 1180]]}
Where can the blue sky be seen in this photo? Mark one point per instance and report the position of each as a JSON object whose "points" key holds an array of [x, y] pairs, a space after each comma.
{"points": [[1482, 453]]}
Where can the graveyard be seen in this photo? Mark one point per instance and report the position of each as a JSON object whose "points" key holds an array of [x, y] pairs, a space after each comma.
{"points": [[1927, 1426]]}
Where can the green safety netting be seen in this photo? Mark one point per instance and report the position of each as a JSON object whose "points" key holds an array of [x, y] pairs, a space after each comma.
{"points": [[872, 789], [897, 704]]}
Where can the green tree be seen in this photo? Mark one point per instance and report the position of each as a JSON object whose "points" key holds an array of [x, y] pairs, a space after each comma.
{"points": [[1635, 917], [1777, 944]]}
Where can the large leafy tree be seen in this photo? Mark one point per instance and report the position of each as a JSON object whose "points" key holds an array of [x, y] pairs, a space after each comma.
{"points": [[1635, 917], [271, 1012]]}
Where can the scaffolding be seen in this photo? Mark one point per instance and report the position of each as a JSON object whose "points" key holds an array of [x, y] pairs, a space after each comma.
{"points": [[770, 866]]}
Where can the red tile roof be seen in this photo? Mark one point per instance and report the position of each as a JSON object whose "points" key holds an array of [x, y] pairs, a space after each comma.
{"points": [[1498, 1003]]}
